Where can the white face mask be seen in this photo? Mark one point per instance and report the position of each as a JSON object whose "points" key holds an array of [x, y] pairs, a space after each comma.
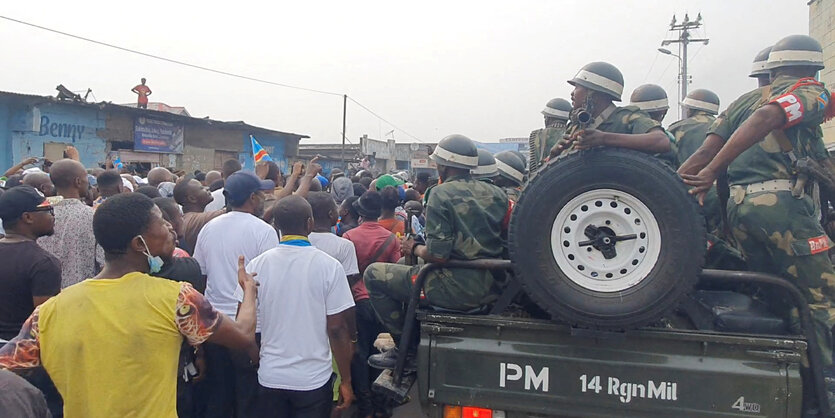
{"points": [[154, 263]]}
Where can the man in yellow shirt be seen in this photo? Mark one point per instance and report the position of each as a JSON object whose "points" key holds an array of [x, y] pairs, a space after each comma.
{"points": [[111, 343]]}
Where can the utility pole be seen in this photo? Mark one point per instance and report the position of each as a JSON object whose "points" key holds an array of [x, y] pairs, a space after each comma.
{"points": [[344, 114], [683, 40]]}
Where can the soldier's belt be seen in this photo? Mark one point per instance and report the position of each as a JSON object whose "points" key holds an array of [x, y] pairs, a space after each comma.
{"points": [[767, 186]]}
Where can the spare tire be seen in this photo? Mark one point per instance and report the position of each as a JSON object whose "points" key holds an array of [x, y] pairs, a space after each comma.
{"points": [[607, 238]]}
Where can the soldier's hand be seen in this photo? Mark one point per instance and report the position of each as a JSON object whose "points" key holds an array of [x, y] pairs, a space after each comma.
{"points": [[559, 147], [701, 183], [590, 138]]}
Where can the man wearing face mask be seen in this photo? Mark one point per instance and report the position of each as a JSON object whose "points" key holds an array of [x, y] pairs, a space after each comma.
{"points": [[110, 343], [465, 220], [232, 386]]}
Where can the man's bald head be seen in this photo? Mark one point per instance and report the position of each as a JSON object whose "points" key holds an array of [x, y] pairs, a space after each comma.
{"points": [[40, 181], [158, 175], [68, 174], [211, 177], [294, 216]]}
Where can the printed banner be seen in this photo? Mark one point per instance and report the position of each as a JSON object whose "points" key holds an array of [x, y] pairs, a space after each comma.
{"points": [[151, 135]]}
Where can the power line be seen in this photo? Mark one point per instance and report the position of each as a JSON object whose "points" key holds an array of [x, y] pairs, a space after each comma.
{"points": [[384, 120], [200, 67], [173, 61]]}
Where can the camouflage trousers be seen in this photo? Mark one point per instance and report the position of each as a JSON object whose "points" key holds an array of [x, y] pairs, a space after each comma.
{"points": [[390, 286], [780, 234]]}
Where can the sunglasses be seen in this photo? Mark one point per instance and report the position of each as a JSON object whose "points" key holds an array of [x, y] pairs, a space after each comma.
{"points": [[49, 209]]}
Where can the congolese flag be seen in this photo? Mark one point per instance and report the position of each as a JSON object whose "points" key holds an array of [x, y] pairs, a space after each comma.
{"points": [[258, 151]]}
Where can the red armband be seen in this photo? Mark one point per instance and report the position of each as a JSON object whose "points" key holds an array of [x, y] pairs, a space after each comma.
{"points": [[793, 108]]}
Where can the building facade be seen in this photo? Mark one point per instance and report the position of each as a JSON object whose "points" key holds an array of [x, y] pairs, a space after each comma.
{"points": [[42, 126]]}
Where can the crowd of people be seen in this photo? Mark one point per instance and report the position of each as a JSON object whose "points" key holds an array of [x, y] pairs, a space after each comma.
{"points": [[153, 276], [238, 293]]}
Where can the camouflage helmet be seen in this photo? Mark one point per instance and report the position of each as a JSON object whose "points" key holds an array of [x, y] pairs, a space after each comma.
{"points": [[649, 98], [456, 151], [557, 108], [486, 165], [795, 50], [511, 167], [602, 77], [758, 68], [702, 99]]}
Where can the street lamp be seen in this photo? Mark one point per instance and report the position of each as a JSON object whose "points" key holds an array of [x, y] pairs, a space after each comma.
{"points": [[666, 51]]}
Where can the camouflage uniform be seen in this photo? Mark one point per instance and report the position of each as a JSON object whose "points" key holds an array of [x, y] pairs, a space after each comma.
{"points": [[540, 143], [777, 232], [464, 219], [626, 120], [689, 135]]}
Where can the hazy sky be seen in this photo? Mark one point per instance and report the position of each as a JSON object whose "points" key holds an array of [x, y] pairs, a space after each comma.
{"points": [[482, 68]]}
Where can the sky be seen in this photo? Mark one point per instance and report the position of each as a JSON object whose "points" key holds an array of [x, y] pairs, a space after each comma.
{"points": [[484, 69]]}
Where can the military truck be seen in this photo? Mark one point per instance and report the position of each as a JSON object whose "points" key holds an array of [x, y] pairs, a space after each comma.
{"points": [[609, 246]]}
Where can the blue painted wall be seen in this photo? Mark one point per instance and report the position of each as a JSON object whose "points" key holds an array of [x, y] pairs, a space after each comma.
{"points": [[5, 138], [274, 144], [30, 127]]}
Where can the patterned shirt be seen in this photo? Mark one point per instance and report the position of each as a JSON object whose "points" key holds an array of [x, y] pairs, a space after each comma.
{"points": [[196, 320], [73, 242], [465, 220], [629, 120], [804, 102]]}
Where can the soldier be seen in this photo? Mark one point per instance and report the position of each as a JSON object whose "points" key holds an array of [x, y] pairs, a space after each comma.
{"points": [[596, 121], [689, 133], [772, 212], [542, 140], [486, 169], [511, 174], [464, 221], [651, 98], [758, 69]]}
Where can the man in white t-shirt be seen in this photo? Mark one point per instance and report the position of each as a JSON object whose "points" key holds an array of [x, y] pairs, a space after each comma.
{"points": [[305, 308], [325, 215], [232, 386], [218, 202]]}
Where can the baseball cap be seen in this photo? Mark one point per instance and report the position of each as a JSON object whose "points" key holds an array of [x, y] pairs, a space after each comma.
{"points": [[369, 205], [19, 200], [322, 180], [387, 180], [241, 184]]}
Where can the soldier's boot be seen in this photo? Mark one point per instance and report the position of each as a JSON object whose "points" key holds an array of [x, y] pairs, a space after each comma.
{"points": [[388, 360]]}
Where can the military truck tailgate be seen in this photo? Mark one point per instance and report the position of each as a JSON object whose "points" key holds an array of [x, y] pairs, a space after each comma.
{"points": [[525, 367]]}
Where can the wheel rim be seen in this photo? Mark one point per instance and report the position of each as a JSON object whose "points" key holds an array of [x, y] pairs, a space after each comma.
{"points": [[592, 240]]}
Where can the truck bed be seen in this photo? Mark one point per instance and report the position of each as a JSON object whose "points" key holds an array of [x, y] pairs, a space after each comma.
{"points": [[528, 367]]}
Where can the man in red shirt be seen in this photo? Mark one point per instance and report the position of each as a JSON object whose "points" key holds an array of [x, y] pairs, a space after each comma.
{"points": [[142, 91], [373, 243]]}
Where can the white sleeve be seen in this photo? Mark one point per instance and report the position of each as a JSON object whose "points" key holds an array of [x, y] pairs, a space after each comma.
{"points": [[200, 253], [269, 240], [338, 297], [349, 259]]}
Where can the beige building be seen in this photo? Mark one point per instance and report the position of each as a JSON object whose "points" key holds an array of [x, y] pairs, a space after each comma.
{"points": [[822, 28]]}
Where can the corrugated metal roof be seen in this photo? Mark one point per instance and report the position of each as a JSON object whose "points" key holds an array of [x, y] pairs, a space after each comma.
{"points": [[151, 113]]}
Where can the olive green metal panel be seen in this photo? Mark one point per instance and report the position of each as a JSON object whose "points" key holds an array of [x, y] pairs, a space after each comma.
{"points": [[528, 366]]}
